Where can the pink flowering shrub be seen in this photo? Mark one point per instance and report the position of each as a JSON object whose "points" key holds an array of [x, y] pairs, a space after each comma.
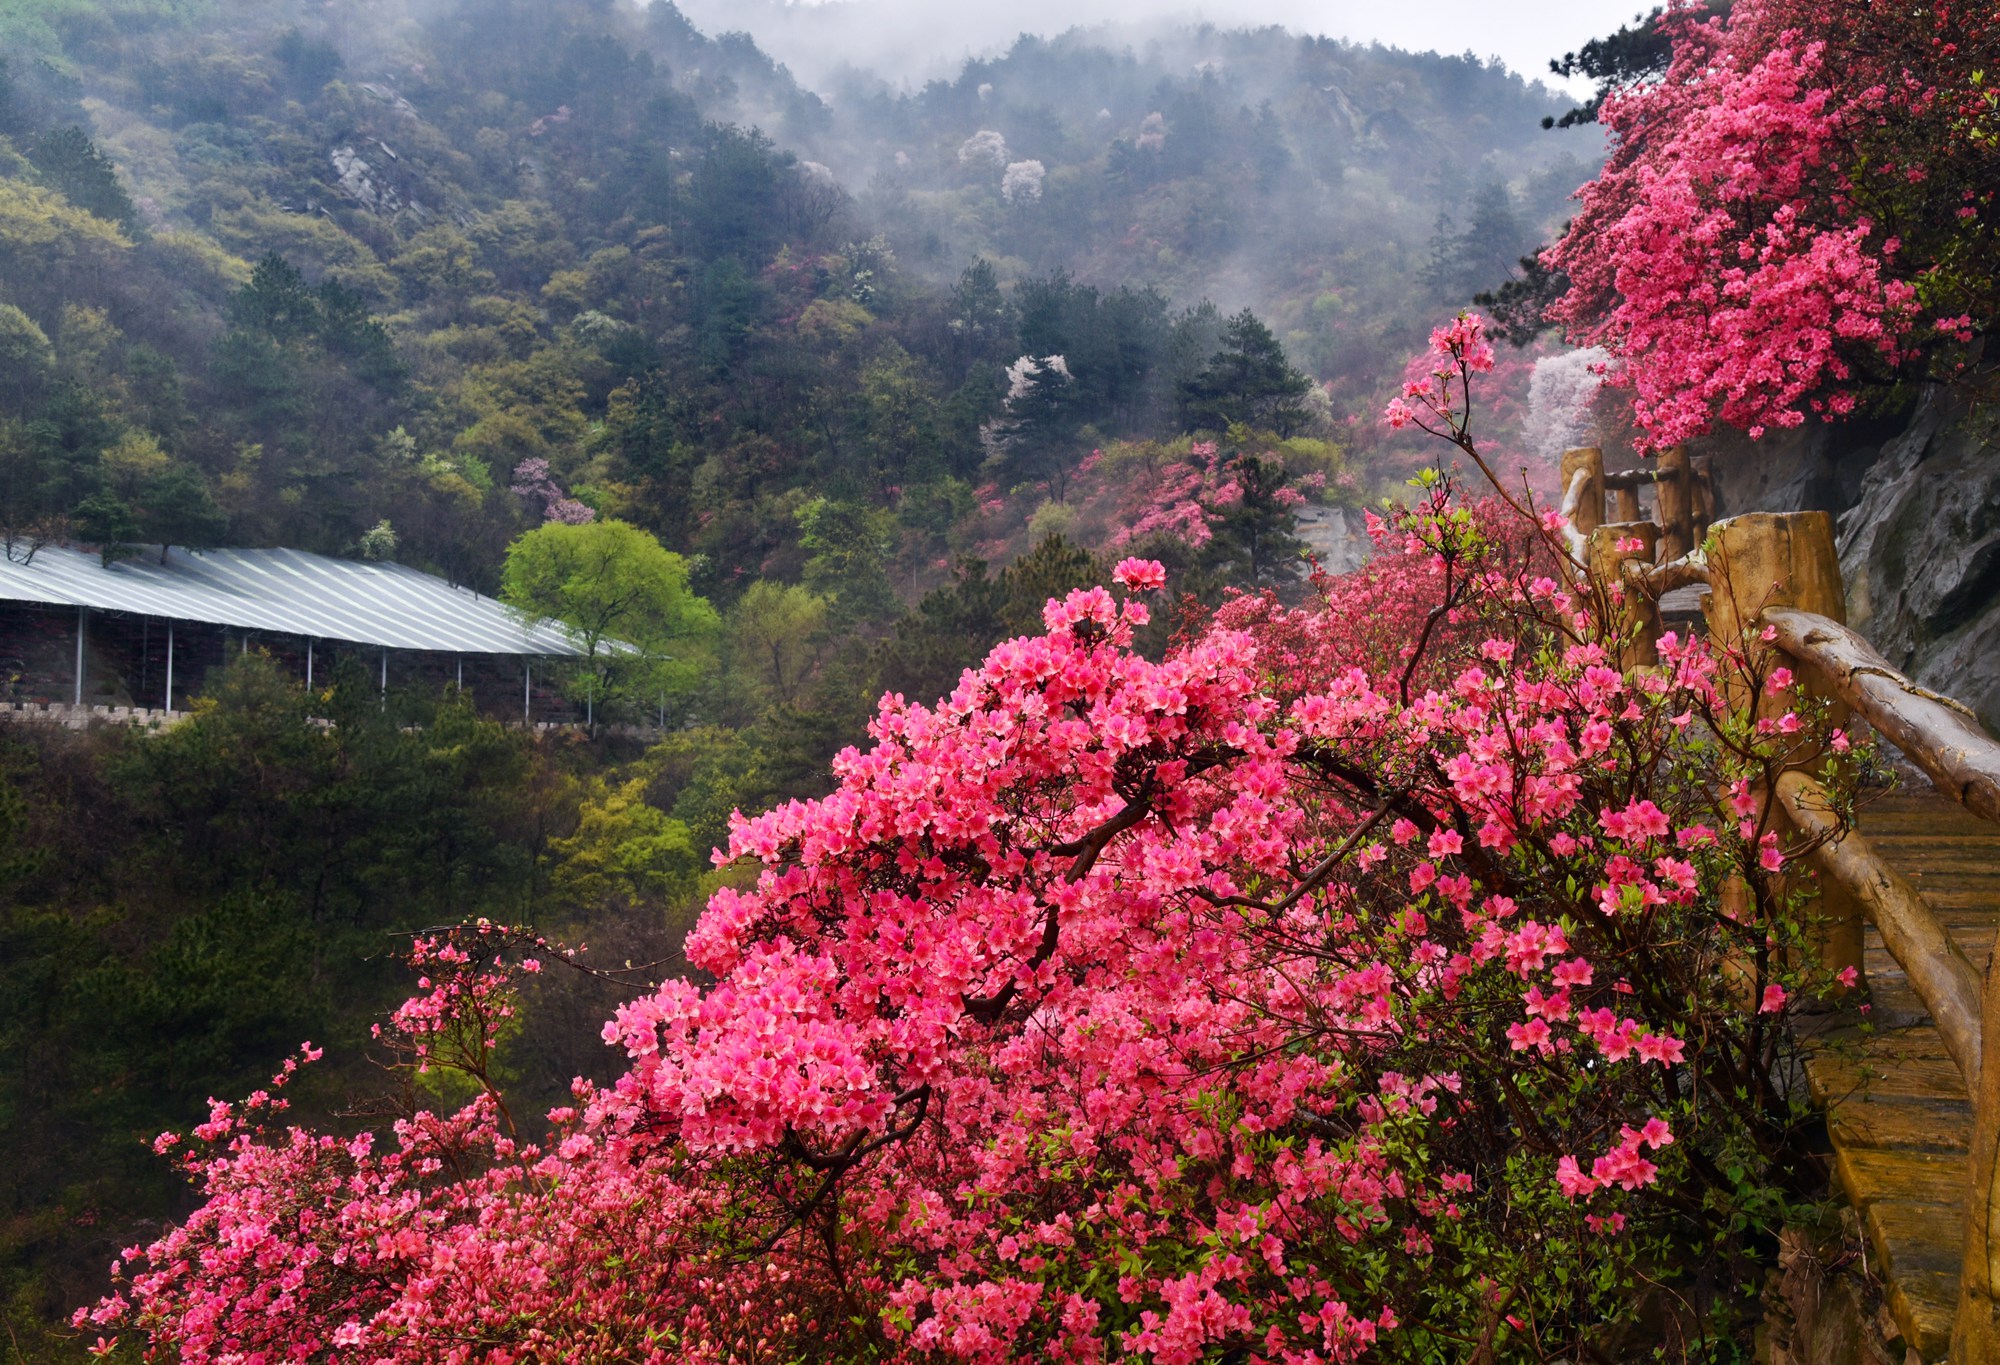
{"points": [[1246, 1003], [533, 480], [1189, 490], [1798, 208]]}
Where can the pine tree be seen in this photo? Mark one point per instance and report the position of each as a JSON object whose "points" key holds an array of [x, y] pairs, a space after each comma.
{"points": [[1248, 381]]}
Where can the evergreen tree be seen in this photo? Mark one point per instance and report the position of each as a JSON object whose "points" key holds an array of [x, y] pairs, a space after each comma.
{"points": [[1247, 382], [70, 164]]}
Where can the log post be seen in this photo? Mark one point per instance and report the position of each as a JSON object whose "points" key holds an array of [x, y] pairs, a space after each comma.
{"points": [[1625, 503], [1589, 461], [1674, 503], [1630, 609], [1780, 559], [1975, 1329], [1759, 560], [1704, 498]]}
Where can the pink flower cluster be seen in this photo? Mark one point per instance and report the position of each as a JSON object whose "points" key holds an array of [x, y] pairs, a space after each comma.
{"points": [[1746, 250], [533, 480], [1111, 1007]]}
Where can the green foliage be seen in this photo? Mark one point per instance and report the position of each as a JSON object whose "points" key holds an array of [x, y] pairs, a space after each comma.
{"points": [[625, 852], [777, 636], [25, 354], [70, 163], [623, 600], [177, 911], [1247, 382], [953, 624]]}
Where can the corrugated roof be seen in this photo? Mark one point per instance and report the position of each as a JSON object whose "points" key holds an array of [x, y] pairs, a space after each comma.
{"points": [[287, 592]]}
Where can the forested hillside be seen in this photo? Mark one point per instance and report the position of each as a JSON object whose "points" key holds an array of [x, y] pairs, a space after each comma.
{"points": [[282, 277]]}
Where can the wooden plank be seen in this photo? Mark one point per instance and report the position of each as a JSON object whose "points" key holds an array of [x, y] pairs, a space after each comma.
{"points": [[1909, 1237], [1929, 1125], [1870, 1175], [1897, 1108], [1842, 1080], [1924, 1303], [1937, 967]]}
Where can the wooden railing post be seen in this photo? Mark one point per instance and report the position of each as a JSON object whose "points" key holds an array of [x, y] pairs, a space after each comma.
{"points": [[1673, 503], [1625, 502], [1779, 559], [1631, 608], [1589, 461], [1704, 498], [1975, 1331], [1760, 560]]}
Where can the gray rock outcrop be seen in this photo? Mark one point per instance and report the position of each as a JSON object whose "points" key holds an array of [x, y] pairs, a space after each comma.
{"points": [[1920, 550], [1336, 538], [1917, 504]]}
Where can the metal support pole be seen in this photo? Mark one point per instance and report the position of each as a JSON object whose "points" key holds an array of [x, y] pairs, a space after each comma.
{"points": [[527, 691], [460, 660], [170, 667], [80, 613], [385, 677], [309, 663]]}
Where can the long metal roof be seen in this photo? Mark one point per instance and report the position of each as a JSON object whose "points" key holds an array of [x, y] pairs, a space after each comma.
{"points": [[287, 592]]}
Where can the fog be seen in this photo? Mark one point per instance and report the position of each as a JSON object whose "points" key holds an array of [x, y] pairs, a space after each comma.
{"points": [[916, 40]]}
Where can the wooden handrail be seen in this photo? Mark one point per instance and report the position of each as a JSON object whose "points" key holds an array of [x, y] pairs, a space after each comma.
{"points": [[1960, 758], [1661, 579], [1937, 968]]}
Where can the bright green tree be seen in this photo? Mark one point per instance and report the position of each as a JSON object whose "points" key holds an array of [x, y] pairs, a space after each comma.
{"points": [[623, 600], [777, 634]]}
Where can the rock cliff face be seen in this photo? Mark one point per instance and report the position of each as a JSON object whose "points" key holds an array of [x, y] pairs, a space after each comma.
{"points": [[1336, 537], [1920, 549], [1918, 510]]}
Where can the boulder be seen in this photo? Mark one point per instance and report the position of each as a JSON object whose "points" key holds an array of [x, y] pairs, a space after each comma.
{"points": [[1336, 537]]}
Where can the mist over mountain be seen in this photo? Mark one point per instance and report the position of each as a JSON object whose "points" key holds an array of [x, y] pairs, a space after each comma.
{"points": [[913, 41]]}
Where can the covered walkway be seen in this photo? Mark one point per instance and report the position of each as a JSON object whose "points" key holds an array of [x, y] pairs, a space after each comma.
{"points": [[144, 631]]}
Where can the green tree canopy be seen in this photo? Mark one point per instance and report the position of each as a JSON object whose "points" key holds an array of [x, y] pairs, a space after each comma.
{"points": [[70, 163], [622, 597]]}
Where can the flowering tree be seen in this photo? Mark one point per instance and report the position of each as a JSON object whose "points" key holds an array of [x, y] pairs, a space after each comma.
{"points": [[1800, 206], [1022, 182], [533, 480], [1268, 1001], [1562, 391], [984, 150]]}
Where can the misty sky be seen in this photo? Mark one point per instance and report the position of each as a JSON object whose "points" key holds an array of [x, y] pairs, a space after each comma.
{"points": [[918, 39]]}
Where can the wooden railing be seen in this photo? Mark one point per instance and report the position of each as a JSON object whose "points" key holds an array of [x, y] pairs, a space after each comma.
{"points": [[1774, 583]]}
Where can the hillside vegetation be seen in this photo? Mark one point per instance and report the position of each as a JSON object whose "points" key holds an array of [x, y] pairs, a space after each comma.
{"points": [[882, 369]]}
